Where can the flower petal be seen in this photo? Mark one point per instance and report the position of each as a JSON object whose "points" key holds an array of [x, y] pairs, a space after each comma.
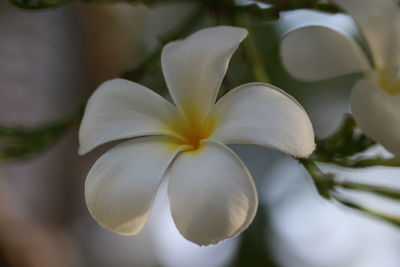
{"points": [[261, 114], [194, 67], [212, 195], [121, 185], [380, 23], [120, 109], [316, 53], [377, 114]]}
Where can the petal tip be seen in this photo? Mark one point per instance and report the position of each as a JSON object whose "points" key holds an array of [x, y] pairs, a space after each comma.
{"points": [[307, 151], [83, 150], [122, 230], [221, 208], [307, 145], [127, 228], [83, 147]]}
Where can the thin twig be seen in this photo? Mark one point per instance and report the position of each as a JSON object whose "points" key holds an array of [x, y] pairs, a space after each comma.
{"points": [[393, 220]]}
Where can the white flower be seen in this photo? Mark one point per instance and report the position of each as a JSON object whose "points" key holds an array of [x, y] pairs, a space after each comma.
{"points": [[211, 193], [316, 52]]}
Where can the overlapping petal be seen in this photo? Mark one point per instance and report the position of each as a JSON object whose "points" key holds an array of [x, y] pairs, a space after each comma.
{"points": [[212, 195], [261, 114], [121, 185], [316, 53], [379, 21], [120, 109], [194, 67], [377, 114]]}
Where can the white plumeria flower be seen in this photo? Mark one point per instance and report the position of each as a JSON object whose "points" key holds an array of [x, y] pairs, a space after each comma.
{"points": [[211, 193], [317, 52]]}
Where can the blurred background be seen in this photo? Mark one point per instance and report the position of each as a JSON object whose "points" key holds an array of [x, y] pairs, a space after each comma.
{"points": [[50, 62]]}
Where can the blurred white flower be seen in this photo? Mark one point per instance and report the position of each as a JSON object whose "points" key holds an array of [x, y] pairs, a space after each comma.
{"points": [[319, 52], [211, 193], [309, 231]]}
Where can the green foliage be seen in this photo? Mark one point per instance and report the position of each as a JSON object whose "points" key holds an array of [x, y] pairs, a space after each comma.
{"points": [[340, 149], [346, 141], [328, 184], [22, 142]]}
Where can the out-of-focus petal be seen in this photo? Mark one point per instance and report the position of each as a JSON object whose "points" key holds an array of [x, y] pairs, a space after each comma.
{"points": [[121, 185], [121, 109], [379, 21], [194, 67], [212, 195], [377, 114], [261, 114], [316, 53]]}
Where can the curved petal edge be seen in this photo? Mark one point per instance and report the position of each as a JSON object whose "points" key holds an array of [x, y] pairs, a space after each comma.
{"points": [[211, 193], [194, 67], [315, 53], [377, 114], [121, 186], [121, 109], [261, 114]]}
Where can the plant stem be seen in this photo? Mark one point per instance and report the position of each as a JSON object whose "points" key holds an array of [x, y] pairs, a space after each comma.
{"points": [[323, 181], [362, 163], [378, 190], [254, 58], [379, 215], [17, 142]]}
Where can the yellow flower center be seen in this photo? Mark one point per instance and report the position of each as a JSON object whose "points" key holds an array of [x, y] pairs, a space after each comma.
{"points": [[389, 81], [195, 132], [192, 129]]}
